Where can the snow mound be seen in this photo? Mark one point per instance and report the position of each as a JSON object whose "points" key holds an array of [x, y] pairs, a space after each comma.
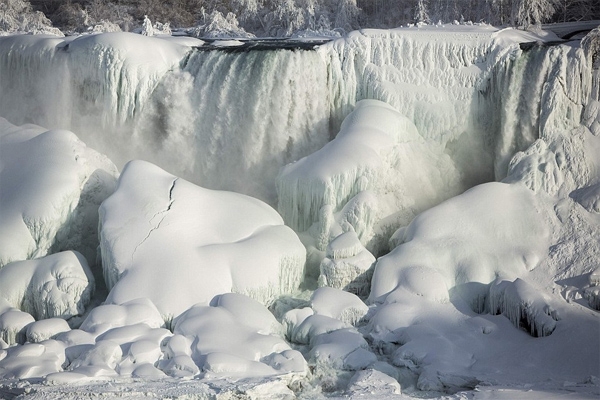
{"points": [[46, 329], [109, 316], [58, 285], [372, 383], [32, 360], [13, 325], [50, 203], [492, 230], [227, 243], [338, 304], [226, 340], [341, 349]]}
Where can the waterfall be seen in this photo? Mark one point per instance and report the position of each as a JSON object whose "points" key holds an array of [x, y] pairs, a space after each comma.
{"points": [[232, 120]]}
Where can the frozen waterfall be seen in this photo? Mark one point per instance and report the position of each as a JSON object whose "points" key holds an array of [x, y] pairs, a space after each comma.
{"points": [[192, 111]]}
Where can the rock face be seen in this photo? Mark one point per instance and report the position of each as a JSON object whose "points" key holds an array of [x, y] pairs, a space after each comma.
{"points": [[219, 242]]}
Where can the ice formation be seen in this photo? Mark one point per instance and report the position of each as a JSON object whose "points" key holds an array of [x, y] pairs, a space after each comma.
{"points": [[227, 242], [523, 305], [58, 285], [51, 203]]}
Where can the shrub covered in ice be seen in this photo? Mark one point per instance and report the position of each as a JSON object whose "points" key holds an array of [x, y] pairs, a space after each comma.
{"points": [[59, 285], [217, 25], [50, 203], [168, 233], [18, 16]]}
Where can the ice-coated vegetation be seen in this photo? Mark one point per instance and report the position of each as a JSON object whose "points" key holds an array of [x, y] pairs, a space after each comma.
{"points": [[404, 271]]}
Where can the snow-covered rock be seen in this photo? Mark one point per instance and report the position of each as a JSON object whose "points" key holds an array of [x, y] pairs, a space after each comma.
{"points": [[372, 383], [226, 242], [46, 329], [109, 316], [347, 265], [338, 304], [58, 285], [51, 202], [13, 326], [492, 230], [32, 360], [377, 150]]}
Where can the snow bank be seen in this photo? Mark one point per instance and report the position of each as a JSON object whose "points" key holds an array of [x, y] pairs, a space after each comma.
{"points": [[58, 285], [49, 204], [225, 242]]}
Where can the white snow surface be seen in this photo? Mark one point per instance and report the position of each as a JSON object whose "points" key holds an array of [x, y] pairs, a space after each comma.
{"points": [[225, 242]]}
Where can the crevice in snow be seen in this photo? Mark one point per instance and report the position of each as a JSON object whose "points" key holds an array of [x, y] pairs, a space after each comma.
{"points": [[162, 215]]}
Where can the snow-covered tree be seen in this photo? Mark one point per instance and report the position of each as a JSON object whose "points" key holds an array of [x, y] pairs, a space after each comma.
{"points": [[18, 16], [421, 12], [532, 12]]}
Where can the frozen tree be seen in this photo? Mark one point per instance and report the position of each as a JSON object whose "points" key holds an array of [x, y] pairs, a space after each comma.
{"points": [[421, 13], [147, 28], [218, 26], [18, 15], [346, 15], [532, 12], [285, 18]]}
